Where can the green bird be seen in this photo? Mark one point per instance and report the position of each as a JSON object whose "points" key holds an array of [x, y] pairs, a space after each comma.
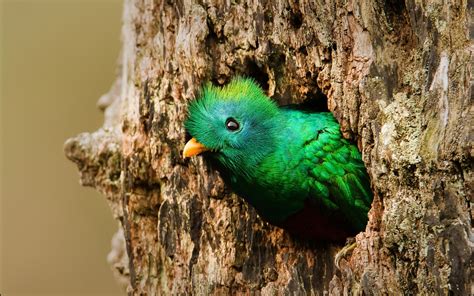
{"points": [[293, 166]]}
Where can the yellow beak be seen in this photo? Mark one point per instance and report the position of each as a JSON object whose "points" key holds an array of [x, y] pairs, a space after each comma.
{"points": [[193, 147]]}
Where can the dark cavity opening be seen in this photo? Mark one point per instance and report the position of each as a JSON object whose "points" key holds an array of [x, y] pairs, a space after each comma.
{"points": [[296, 19], [395, 12], [394, 7], [316, 101], [257, 73]]}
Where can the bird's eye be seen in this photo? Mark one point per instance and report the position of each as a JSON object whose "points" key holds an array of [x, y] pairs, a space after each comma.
{"points": [[231, 124]]}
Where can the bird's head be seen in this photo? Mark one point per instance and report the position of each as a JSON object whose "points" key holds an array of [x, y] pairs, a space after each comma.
{"points": [[235, 123]]}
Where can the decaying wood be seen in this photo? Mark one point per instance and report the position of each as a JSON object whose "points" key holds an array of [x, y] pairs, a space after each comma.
{"points": [[397, 75]]}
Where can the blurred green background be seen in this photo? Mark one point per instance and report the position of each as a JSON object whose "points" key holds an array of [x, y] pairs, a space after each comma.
{"points": [[57, 59]]}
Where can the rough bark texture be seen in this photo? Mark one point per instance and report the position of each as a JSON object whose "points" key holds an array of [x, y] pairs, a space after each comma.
{"points": [[397, 76]]}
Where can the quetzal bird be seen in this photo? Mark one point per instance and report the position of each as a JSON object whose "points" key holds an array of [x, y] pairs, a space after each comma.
{"points": [[294, 167]]}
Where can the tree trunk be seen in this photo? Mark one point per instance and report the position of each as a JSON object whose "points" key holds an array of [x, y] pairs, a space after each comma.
{"points": [[397, 76]]}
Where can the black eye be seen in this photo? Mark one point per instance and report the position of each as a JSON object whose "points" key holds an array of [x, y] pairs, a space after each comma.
{"points": [[231, 124]]}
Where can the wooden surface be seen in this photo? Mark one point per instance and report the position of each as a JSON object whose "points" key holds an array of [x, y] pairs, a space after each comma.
{"points": [[397, 77]]}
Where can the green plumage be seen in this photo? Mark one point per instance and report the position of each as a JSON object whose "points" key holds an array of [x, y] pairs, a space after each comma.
{"points": [[293, 166]]}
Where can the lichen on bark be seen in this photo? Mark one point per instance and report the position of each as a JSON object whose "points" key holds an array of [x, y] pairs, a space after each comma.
{"points": [[397, 76]]}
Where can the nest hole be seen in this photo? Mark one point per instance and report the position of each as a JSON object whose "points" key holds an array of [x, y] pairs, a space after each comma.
{"points": [[258, 74]]}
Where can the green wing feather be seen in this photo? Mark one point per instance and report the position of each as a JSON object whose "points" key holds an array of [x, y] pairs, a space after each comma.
{"points": [[340, 181]]}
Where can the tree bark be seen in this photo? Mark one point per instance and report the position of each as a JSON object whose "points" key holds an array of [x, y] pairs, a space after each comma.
{"points": [[397, 76]]}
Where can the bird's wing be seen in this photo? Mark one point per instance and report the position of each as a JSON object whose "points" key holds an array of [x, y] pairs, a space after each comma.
{"points": [[338, 179]]}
